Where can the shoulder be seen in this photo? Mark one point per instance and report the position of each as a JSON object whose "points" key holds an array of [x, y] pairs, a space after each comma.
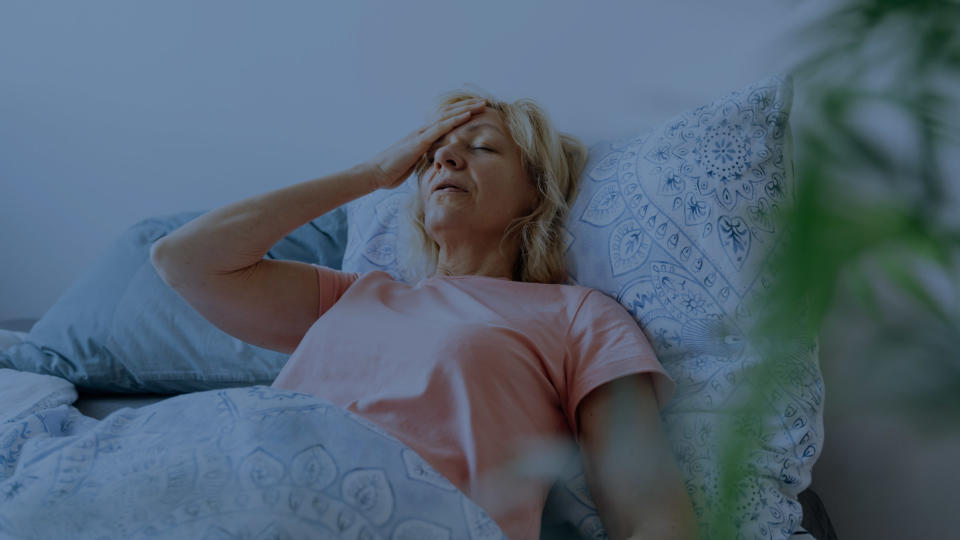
{"points": [[573, 297], [600, 314], [593, 302]]}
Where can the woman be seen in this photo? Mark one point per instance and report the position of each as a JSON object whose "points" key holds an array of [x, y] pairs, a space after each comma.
{"points": [[489, 352]]}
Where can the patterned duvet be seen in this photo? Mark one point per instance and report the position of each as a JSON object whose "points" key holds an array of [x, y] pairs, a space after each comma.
{"points": [[252, 462]]}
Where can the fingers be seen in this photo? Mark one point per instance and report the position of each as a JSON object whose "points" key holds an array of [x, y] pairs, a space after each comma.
{"points": [[461, 106], [455, 109], [452, 115]]}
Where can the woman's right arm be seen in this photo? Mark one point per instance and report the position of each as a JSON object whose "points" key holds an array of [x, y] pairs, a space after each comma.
{"points": [[215, 261]]}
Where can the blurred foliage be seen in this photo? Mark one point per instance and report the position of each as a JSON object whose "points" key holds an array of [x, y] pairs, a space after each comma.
{"points": [[877, 209], [873, 236]]}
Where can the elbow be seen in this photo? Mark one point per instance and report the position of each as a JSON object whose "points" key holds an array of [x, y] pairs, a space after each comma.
{"points": [[156, 250], [161, 261], [157, 255]]}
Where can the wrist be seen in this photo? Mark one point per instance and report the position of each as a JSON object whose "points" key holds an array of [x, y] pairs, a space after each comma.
{"points": [[370, 174]]}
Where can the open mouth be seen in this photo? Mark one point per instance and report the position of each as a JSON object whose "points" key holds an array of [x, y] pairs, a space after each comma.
{"points": [[449, 187]]}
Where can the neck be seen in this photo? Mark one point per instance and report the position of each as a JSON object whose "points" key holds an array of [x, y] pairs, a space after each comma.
{"points": [[471, 263]]}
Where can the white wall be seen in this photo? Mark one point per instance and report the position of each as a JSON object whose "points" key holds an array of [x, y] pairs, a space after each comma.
{"points": [[113, 111]]}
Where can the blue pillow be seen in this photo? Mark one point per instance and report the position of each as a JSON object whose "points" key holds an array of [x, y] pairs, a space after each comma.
{"points": [[120, 328], [676, 223]]}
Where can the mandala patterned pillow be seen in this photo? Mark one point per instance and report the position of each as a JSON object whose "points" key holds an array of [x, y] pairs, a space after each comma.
{"points": [[676, 224]]}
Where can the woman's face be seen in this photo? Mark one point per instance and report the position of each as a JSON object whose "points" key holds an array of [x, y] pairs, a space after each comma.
{"points": [[480, 157]]}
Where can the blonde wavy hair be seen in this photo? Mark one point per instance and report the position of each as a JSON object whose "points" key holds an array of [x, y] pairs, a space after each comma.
{"points": [[552, 160]]}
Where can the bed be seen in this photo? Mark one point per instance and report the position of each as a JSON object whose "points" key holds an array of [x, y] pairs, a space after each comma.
{"points": [[121, 367], [100, 405]]}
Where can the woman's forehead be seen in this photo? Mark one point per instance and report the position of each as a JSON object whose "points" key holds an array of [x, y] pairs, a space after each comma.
{"points": [[486, 122], [489, 118]]}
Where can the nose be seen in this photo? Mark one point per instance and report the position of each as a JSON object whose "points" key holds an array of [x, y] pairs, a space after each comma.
{"points": [[446, 156]]}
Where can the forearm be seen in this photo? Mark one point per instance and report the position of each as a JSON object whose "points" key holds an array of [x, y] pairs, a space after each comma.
{"points": [[629, 466], [662, 513], [666, 514], [238, 235]]}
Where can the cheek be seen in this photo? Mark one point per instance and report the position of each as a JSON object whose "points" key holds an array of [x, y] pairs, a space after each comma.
{"points": [[423, 196], [520, 190]]}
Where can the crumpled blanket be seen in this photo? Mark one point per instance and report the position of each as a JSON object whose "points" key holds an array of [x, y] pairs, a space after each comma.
{"points": [[252, 462]]}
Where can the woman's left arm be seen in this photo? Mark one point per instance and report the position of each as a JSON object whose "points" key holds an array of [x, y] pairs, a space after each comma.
{"points": [[629, 467]]}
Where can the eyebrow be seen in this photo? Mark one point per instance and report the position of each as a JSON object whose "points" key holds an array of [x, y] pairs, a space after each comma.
{"points": [[468, 129]]}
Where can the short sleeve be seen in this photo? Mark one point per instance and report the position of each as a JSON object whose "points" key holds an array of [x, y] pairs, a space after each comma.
{"points": [[605, 343], [332, 284]]}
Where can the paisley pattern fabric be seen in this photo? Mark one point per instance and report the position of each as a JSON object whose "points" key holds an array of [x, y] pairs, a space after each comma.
{"points": [[677, 223], [252, 462]]}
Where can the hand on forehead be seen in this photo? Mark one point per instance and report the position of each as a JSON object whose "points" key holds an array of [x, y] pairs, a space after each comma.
{"points": [[479, 123]]}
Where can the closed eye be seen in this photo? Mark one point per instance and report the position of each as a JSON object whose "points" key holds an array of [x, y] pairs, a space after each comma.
{"points": [[430, 158]]}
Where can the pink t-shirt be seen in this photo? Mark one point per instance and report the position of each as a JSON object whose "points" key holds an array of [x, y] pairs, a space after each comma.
{"points": [[466, 369]]}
